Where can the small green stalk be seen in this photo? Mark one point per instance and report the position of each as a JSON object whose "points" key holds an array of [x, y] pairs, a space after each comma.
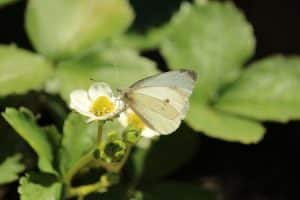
{"points": [[84, 190], [104, 181], [86, 158]]}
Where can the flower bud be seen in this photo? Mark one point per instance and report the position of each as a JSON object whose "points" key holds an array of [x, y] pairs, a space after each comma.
{"points": [[113, 151], [132, 135]]}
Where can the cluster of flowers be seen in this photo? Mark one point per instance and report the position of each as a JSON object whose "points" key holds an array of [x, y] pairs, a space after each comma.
{"points": [[99, 103]]}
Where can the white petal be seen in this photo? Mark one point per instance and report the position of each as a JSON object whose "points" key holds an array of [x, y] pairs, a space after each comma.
{"points": [[123, 119], [149, 133], [80, 102], [99, 89], [120, 105]]}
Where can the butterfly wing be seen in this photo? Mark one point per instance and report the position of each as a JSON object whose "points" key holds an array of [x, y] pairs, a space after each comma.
{"points": [[184, 79], [161, 101]]}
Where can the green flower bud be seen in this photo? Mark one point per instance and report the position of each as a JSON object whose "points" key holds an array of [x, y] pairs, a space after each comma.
{"points": [[113, 151], [132, 135]]}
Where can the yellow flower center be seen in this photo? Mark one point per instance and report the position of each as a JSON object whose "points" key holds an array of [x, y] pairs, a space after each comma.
{"points": [[135, 121], [102, 106]]}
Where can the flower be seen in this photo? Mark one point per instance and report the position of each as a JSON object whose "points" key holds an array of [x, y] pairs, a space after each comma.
{"points": [[129, 118], [98, 103]]}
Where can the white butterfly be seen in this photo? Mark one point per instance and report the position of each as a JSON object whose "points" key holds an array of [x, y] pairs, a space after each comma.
{"points": [[161, 101]]}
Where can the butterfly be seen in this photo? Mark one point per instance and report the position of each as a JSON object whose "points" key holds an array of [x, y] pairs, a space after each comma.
{"points": [[161, 101]]}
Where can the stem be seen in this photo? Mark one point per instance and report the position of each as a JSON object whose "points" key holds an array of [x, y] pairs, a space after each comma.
{"points": [[82, 191], [99, 134], [121, 164], [103, 184], [79, 165], [113, 167], [86, 158]]}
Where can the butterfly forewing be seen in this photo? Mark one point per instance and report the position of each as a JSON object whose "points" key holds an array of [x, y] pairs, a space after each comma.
{"points": [[171, 97], [184, 79], [155, 120], [154, 104]]}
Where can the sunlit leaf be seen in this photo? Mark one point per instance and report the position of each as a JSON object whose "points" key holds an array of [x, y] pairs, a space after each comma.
{"points": [[54, 136], [78, 139], [21, 71], [212, 38], [224, 126], [149, 40], [27, 128], [62, 28], [10, 168], [267, 90], [119, 68], [40, 186]]}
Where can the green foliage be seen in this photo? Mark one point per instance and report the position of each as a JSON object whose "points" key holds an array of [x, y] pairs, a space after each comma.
{"points": [[212, 38], [117, 67], [27, 128], [17, 69], [78, 139], [63, 28], [267, 90], [187, 42], [85, 41], [10, 168], [40, 186], [221, 125], [138, 41]]}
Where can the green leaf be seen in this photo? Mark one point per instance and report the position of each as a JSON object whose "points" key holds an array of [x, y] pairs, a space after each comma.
{"points": [[212, 38], [138, 41], [17, 69], [6, 2], [10, 168], [179, 191], [119, 68], [10, 142], [54, 136], [167, 154], [40, 186], [27, 128], [267, 90], [62, 28], [224, 126], [78, 139]]}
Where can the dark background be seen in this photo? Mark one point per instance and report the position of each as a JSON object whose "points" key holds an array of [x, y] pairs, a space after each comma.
{"points": [[267, 171]]}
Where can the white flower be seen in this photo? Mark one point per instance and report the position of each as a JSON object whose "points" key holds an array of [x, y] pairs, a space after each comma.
{"points": [[98, 103], [130, 118]]}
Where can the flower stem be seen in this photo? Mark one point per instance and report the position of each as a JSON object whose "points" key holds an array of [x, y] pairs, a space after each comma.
{"points": [[84, 160], [82, 191], [103, 183]]}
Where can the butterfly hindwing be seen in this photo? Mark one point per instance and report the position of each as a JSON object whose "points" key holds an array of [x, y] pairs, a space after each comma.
{"points": [[155, 120]]}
